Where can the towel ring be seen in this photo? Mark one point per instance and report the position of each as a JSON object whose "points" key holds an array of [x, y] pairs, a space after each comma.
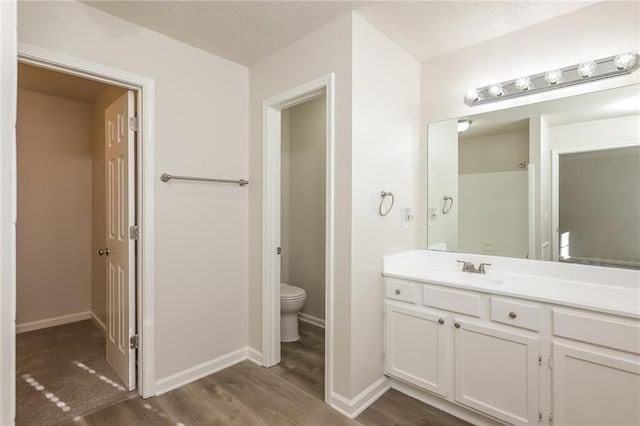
{"points": [[384, 195], [448, 204]]}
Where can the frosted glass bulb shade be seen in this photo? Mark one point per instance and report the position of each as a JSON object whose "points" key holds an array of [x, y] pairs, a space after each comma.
{"points": [[472, 95], [587, 69], [523, 84], [624, 61], [496, 90], [553, 77], [463, 125]]}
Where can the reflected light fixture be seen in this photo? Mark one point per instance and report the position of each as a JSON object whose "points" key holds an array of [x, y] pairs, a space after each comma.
{"points": [[463, 125], [612, 66]]}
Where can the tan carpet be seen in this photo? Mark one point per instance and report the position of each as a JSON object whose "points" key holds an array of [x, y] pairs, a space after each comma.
{"points": [[61, 373]]}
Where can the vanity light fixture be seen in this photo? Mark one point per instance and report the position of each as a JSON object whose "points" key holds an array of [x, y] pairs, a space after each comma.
{"points": [[612, 66], [463, 125]]}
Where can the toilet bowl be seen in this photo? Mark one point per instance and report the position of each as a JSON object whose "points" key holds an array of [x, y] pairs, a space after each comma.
{"points": [[292, 300]]}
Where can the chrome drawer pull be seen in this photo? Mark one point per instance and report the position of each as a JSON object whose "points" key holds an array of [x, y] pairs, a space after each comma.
{"points": [[440, 321], [397, 291], [512, 315]]}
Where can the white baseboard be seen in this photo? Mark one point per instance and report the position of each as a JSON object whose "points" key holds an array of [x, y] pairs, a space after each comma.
{"points": [[52, 322], [311, 319], [353, 407], [97, 321], [192, 374], [442, 404], [254, 356]]}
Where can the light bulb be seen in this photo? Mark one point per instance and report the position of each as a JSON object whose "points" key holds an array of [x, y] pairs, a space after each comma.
{"points": [[472, 95], [496, 90], [587, 69], [463, 125], [553, 76], [523, 84], [624, 61]]}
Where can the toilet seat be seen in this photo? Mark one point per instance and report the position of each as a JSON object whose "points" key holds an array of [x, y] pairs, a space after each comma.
{"points": [[290, 292]]}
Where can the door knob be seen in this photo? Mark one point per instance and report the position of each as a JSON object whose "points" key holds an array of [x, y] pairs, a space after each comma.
{"points": [[104, 251]]}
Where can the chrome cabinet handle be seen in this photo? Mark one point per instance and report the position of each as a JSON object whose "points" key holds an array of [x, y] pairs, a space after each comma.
{"points": [[440, 321], [103, 252], [397, 291], [512, 315], [456, 325]]}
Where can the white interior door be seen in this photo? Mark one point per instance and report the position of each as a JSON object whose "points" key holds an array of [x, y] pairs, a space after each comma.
{"points": [[120, 250]]}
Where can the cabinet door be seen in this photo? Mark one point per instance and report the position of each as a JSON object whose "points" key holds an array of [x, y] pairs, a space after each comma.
{"points": [[417, 347], [594, 387], [497, 372]]}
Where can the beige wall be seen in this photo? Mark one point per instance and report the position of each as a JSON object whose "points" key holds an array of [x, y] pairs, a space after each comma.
{"points": [[54, 206], [98, 200], [386, 114], [327, 50], [303, 224], [494, 153], [201, 129]]}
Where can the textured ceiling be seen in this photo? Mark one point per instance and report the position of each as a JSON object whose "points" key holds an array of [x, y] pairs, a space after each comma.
{"points": [[246, 31]]}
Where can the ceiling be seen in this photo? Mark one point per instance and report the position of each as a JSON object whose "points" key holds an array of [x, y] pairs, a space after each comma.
{"points": [[58, 84], [247, 31]]}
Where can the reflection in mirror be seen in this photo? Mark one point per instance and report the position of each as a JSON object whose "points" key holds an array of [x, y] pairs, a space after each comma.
{"points": [[557, 180]]}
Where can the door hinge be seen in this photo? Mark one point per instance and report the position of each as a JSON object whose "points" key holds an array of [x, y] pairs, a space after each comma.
{"points": [[540, 416], [539, 359], [134, 341], [134, 233], [550, 418], [279, 250], [550, 362], [134, 124]]}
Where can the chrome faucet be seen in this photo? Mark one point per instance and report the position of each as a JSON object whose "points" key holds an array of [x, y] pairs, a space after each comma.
{"points": [[470, 267]]}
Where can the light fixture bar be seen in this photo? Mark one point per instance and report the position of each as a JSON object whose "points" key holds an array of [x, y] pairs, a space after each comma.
{"points": [[585, 72]]}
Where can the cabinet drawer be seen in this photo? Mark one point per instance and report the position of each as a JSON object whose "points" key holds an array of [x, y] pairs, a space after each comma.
{"points": [[616, 333], [400, 290], [452, 300], [518, 314]]}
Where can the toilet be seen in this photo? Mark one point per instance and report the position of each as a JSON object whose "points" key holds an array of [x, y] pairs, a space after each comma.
{"points": [[291, 302]]}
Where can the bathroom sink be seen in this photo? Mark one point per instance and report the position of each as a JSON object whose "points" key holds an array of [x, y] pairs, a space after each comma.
{"points": [[466, 278]]}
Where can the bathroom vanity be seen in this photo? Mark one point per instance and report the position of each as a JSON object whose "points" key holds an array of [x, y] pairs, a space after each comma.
{"points": [[526, 343]]}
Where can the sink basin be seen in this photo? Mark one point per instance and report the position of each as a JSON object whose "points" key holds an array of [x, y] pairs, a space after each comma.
{"points": [[466, 278]]}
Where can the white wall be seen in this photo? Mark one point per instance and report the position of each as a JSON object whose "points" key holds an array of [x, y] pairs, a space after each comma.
{"points": [[386, 111], [442, 166], [8, 95], [53, 247], [606, 132], [593, 32], [325, 51], [200, 129], [303, 209]]}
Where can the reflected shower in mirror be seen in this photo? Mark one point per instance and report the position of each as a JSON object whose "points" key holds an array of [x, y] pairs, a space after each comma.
{"points": [[557, 180]]}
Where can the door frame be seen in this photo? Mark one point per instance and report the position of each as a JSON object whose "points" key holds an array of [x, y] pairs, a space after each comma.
{"points": [[555, 185], [271, 115], [145, 91]]}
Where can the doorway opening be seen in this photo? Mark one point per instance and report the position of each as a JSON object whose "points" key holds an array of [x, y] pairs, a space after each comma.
{"points": [[302, 242], [75, 245], [298, 197]]}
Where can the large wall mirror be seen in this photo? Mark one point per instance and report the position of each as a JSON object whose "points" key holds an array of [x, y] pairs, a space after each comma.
{"points": [[556, 180]]}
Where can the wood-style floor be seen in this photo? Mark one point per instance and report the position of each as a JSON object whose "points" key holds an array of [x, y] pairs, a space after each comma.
{"points": [[290, 393]]}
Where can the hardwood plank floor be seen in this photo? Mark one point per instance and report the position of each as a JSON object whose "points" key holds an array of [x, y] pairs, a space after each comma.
{"points": [[290, 393]]}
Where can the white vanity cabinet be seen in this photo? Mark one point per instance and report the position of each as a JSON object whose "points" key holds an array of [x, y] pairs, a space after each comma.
{"points": [[518, 361], [496, 371], [418, 346], [596, 369]]}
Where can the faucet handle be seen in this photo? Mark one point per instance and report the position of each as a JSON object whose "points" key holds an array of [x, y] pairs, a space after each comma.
{"points": [[465, 265], [481, 269]]}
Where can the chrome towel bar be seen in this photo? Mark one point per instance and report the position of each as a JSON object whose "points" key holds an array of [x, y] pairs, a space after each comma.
{"points": [[166, 177]]}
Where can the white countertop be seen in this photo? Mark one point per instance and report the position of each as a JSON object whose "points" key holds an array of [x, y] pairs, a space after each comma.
{"points": [[613, 299]]}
